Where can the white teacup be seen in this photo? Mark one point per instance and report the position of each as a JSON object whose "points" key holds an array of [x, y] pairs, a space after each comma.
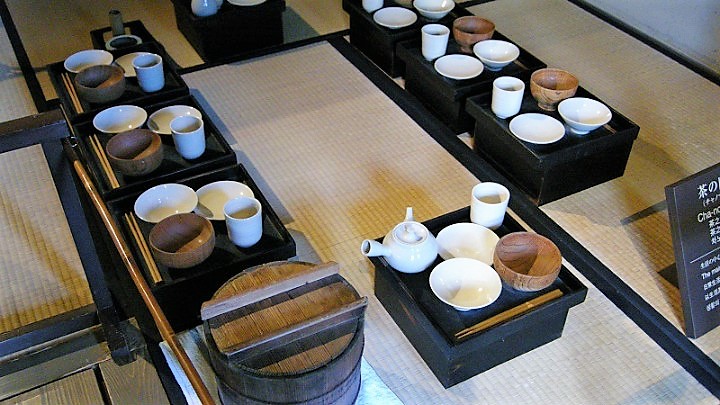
{"points": [[488, 204], [372, 5], [507, 96], [188, 133], [149, 70], [434, 41], [243, 217]]}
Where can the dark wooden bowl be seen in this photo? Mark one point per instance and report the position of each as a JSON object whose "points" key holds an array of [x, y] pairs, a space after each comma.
{"points": [[527, 261], [182, 240], [469, 30], [100, 84], [136, 152], [550, 86]]}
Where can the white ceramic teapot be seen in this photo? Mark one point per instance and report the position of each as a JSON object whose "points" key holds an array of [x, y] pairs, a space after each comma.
{"points": [[409, 247]]}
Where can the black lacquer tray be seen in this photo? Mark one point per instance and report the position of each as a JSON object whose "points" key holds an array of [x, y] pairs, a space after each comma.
{"points": [[552, 171], [175, 86], [431, 325], [182, 291], [378, 43], [217, 154], [446, 97]]}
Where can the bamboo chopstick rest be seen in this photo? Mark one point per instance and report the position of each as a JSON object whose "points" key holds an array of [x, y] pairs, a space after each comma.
{"points": [[510, 313]]}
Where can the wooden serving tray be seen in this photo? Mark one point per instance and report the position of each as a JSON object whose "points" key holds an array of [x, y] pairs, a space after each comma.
{"points": [[549, 172], [439, 333], [175, 86], [446, 98], [180, 292], [217, 154]]}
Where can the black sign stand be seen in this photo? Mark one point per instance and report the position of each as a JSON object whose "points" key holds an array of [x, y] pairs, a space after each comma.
{"points": [[694, 211]]}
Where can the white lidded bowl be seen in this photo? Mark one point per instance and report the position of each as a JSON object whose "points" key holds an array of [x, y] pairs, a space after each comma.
{"points": [[465, 283], [495, 54], [468, 240], [78, 61], [159, 202], [159, 121], [583, 115], [214, 196], [434, 9], [119, 118]]}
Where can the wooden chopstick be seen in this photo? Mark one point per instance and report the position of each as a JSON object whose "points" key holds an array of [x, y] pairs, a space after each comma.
{"points": [[71, 92], [510, 313], [144, 250], [104, 162]]}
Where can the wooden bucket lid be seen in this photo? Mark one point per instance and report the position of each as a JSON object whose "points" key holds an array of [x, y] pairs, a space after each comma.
{"points": [[284, 318]]}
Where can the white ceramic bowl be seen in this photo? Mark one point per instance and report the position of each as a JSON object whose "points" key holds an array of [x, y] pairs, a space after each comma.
{"points": [[395, 17], [537, 128], [159, 121], [467, 240], [458, 67], [159, 202], [465, 284], [496, 54], [215, 195], [84, 59], [434, 9], [583, 115], [120, 118]]}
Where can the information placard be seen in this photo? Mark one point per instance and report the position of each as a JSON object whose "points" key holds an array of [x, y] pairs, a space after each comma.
{"points": [[694, 212]]}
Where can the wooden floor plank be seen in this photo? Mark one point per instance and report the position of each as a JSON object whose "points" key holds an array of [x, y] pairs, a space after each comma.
{"points": [[133, 383], [77, 389]]}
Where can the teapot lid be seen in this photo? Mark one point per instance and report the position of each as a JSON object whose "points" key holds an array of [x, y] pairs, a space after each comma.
{"points": [[410, 232]]}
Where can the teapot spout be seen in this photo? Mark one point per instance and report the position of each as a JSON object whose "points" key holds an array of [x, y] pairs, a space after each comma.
{"points": [[409, 214], [371, 248]]}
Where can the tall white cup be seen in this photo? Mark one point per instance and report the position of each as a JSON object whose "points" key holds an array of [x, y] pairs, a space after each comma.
{"points": [[488, 204], [372, 5], [507, 96], [434, 40], [243, 217], [188, 133], [149, 70]]}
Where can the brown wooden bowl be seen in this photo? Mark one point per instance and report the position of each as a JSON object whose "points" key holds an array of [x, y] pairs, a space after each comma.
{"points": [[182, 240], [527, 261], [549, 86], [136, 152], [100, 84], [469, 30]]}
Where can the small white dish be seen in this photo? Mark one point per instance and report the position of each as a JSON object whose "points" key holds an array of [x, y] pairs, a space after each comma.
{"points": [[119, 118], [395, 17], [125, 62], [496, 54], [465, 284], [246, 2], [468, 240], [215, 195], [459, 67], [84, 59], [537, 128], [159, 121], [159, 202], [122, 41], [583, 115], [434, 9]]}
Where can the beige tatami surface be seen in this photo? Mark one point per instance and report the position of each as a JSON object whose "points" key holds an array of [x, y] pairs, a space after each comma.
{"points": [[624, 222], [339, 161]]}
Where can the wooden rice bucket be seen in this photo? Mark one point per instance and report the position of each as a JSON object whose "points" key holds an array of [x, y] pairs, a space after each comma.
{"points": [[286, 333]]}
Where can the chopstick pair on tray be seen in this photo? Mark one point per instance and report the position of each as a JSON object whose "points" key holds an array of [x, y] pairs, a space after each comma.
{"points": [[71, 92], [132, 224], [104, 162], [509, 314]]}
